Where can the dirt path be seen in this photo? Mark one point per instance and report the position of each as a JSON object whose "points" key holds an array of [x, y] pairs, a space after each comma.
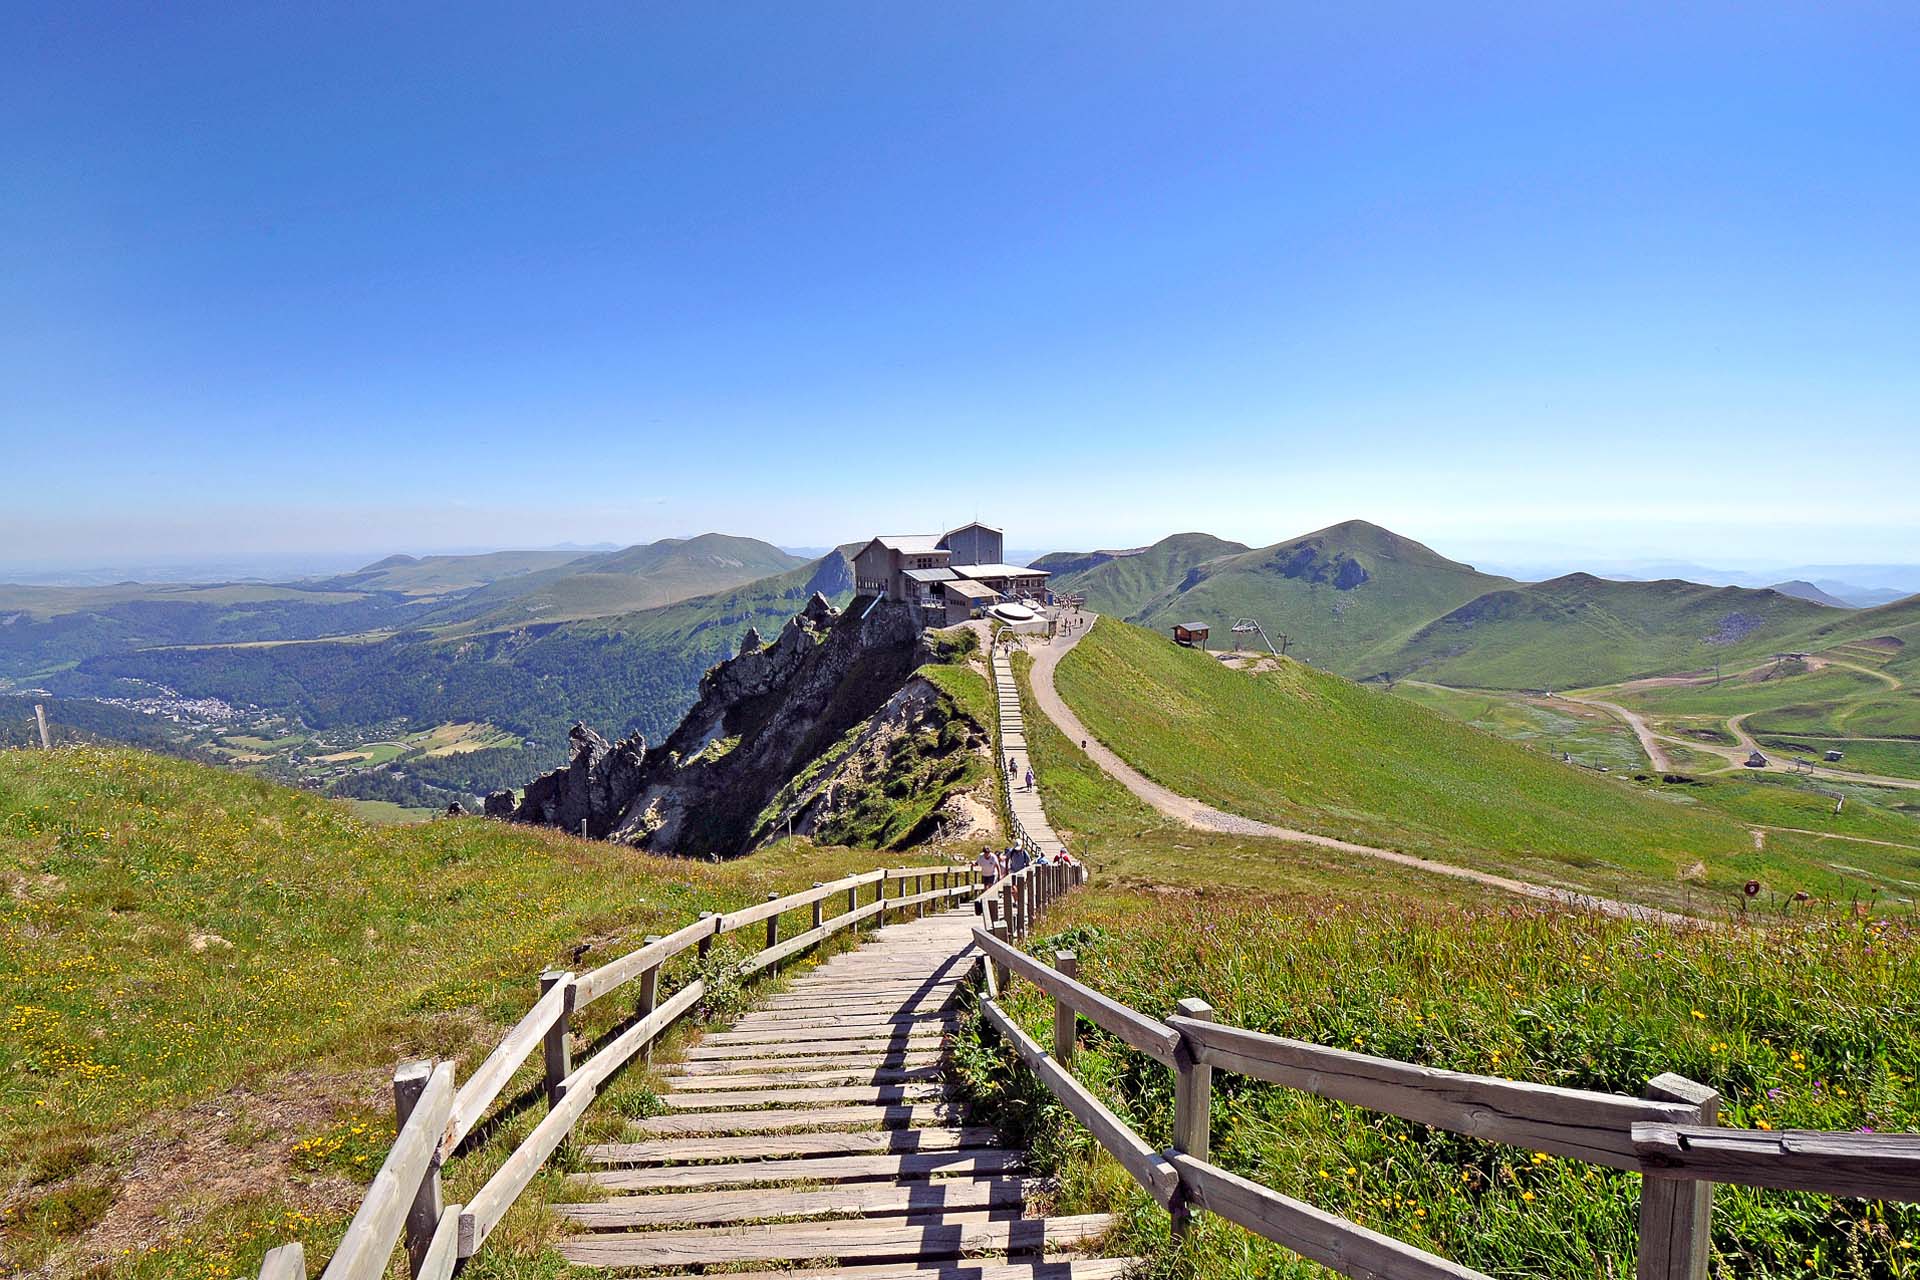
{"points": [[1204, 817], [1649, 741]]}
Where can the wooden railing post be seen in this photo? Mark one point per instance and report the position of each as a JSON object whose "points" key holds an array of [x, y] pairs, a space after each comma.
{"points": [[1192, 1107], [819, 909], [706, 941], [773, 922], [423, 1216], [559, 1051], [997, 926], [1675, 1214], [1066, 1023], [853, 904], [649, 994]]}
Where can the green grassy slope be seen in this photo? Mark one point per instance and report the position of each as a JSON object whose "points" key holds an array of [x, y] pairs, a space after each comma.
{"points": [[442, 575], [1308, 750], [640, 577], [1582, 630], [1812, 1026], [1123, 583], [200, 972], [1344, 594], [632, 671]]}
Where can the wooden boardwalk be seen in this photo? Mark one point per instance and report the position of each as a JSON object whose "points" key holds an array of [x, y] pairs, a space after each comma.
{"points": [[816, 1130], [1028, 814]]}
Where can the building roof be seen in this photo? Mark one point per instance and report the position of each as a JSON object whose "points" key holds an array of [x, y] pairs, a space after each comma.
{"points": [[997, 571], [972, 524], [918, 544], [1191, 626], [942, 574], [971, 590]]}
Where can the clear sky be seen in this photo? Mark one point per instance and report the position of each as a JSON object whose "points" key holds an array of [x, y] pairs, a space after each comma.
{"points": [[1513, 279]]}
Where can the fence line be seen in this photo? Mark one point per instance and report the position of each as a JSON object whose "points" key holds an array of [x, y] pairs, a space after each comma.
{"points": [[1668, 1136], [404, 1199]]}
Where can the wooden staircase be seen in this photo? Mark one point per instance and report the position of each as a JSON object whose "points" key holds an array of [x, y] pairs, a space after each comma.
{"points": [[815, 1131]]}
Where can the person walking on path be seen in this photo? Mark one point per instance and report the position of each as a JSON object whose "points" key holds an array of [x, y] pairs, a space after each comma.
{"points": [[989, 866], [1029, 778]]}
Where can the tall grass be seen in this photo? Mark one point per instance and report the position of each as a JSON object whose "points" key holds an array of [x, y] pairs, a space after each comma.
{"points": [[1811, 1026]]}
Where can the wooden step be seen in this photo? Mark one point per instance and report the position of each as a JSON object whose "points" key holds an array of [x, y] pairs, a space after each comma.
{"points": [[818, 1095], [816, 1035], [855, 1142], [1049, 1269], [893, 1050], [855, 1200], [918, 1060], [955, 1236], [931, 1072], [858, 1142], [717, 1123], [884, 1022], [971, 1162]]}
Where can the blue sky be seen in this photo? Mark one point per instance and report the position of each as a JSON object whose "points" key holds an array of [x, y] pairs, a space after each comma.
{"points": [[1516, 280]]}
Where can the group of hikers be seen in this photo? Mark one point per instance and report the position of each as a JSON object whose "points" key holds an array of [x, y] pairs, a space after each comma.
{"points": [[995, 863]]}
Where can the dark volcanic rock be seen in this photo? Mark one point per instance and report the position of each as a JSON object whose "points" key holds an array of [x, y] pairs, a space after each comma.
{"points": [[760, 717], [499, 804]]}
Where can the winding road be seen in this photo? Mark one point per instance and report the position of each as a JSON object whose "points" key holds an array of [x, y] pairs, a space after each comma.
{"points": [[1204, 817]]}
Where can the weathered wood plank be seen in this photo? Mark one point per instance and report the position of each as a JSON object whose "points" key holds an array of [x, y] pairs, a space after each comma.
{"points": [[1334, 1242], [913, 1165], [370, 1237], [592, 1073], [858, 1199], [705, 1051], [802, 1095], [490, 1204], [1047, 1269], [845, 1241], [443, 1252], [286, 1262], [484, 1085], [820, 1035], [597, 982], [797, 1079], [1873, 1166], [1575, 1123], [715, 1123], [1148, 1167], [1155, 1039], [919, 1059], [856, 1142], [1676, 1218]]}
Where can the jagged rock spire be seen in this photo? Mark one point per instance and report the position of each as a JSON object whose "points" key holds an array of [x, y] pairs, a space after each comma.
{"points": [[751, 641]]}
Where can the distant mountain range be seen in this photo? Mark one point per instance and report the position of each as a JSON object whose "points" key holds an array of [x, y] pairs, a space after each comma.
{"points": [[531, 640]]}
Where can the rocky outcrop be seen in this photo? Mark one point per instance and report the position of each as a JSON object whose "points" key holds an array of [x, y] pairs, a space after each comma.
{"points": [[761, 717], [592, 791]]}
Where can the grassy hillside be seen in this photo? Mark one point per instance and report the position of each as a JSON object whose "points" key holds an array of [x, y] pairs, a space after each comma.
{"points": [[1582, 630], [1343, 594], [443, 575], [207, 979], [1312, 751], [1125, 582], [633, 671], [1814, 1026], [640, 577]]}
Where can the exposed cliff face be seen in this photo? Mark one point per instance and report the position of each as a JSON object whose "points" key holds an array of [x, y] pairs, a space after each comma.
{"points": [[776, 712]]}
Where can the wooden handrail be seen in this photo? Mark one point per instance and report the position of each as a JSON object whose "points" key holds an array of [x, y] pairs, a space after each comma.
{"points": [[1658, 1135], [1155, 1039], [406, 1191], [1873, 1166], [370, 1237], [1327, 1238], [1576, 1123], [485, 1084]]}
